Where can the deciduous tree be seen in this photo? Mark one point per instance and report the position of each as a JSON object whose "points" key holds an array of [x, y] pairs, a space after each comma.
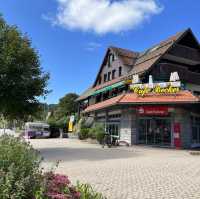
{"points": [[22, 80]]}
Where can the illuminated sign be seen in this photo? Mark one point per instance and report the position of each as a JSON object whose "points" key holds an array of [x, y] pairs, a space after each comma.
{"points": [[171, 87]]}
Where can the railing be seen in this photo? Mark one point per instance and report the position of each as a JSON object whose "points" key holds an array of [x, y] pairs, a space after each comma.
{"points": [[184, 73], [185, 52]]}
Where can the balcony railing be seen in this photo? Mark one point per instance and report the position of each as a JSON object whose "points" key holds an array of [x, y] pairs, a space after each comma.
{"points": [[185, 52]]}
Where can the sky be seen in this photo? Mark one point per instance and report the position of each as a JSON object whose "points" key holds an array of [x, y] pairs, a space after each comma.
{"points": [[72, 36]]}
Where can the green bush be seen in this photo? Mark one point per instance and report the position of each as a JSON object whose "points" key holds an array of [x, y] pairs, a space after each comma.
{"points": [[87, 192], [84, 133], [20, 175], [99, 131], [92, 133]]}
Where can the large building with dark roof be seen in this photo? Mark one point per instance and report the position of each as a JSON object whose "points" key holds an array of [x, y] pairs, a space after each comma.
{"points": [[149, 97]]}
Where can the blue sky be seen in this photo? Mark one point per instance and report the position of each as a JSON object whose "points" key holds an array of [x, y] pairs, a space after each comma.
{"points": [[72, 35]]}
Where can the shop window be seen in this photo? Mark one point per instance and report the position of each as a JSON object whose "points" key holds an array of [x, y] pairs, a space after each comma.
{"points": [[99, 118], [195, 121], [115, 116], [113, 129], [120, 71]]}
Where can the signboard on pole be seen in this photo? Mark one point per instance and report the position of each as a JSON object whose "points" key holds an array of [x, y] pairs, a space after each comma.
{"points": [[71, 122]]}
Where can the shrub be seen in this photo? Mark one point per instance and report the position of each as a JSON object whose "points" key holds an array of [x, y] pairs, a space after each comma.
{"points": [[100, 132], [92, 133], [58, 187], [83, 134], [20, 175], [87, 192]]}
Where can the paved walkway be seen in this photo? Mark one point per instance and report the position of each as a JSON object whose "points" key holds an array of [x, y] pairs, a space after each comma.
{"points": [[126, 173]]}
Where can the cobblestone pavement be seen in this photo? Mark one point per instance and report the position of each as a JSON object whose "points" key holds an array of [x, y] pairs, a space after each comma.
{"points": [[127, 172]]}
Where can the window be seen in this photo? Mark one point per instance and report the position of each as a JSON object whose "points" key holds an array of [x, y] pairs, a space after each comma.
{"points": [[111, 58], [196, 93], [120, 71], [99, 80], [113, 74], [114, 116], [105, 77], [195, 129], [109, 76], [113, 129]]}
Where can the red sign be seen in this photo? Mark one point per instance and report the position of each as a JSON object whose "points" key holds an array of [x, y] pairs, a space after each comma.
{"points": [[153, 110]]}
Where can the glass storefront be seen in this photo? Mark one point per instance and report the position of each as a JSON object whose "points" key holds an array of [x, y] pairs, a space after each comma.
{"points": [[195, 121], [155, 131], [113, 129]]}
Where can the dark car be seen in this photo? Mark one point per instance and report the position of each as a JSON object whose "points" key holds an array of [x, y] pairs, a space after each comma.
{"points": [[54, 132]]}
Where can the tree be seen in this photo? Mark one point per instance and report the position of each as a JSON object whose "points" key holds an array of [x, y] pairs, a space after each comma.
{"points": [[67, 106], [22, 80]]}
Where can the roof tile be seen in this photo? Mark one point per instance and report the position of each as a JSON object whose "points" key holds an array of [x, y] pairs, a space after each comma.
{"points": [[131, 98]]}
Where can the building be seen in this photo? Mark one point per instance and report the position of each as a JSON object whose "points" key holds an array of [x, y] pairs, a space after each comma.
{"points": [[150, 97]]}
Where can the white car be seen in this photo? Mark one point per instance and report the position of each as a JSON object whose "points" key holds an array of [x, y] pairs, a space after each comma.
{"points": [[7, 131]]}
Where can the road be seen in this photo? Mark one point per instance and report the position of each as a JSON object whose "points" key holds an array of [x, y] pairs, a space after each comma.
{"points": [[126, 172]]}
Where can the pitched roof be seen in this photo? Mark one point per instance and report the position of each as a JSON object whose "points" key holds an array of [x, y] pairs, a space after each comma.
{"points": [[148, 58], [141, 62], [104, 104], [131, 98], [181, 97], [85, 94]]}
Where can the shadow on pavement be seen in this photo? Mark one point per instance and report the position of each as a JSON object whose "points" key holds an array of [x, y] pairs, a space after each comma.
{"points": [[90, 154]]}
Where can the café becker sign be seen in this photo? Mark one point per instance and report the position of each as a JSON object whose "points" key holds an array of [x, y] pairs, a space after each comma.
{"points": [[158, 90], [171, 87]]}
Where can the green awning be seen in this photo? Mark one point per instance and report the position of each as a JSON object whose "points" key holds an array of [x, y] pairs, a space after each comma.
{"points": [[107, 88]]}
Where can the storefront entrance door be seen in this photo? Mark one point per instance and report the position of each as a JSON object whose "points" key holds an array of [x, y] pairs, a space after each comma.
{"points": [[155, 131]]}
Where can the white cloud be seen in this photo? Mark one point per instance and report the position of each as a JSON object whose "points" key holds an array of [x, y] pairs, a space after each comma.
{"points": [[103, 16], [93, 46]]}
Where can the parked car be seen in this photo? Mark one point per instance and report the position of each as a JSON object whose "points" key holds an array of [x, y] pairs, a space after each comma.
{"points": [[7, 131], [37, 130], [54, 132]]}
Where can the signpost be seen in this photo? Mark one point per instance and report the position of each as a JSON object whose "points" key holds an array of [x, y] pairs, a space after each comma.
{"points": [[71, 121]]}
